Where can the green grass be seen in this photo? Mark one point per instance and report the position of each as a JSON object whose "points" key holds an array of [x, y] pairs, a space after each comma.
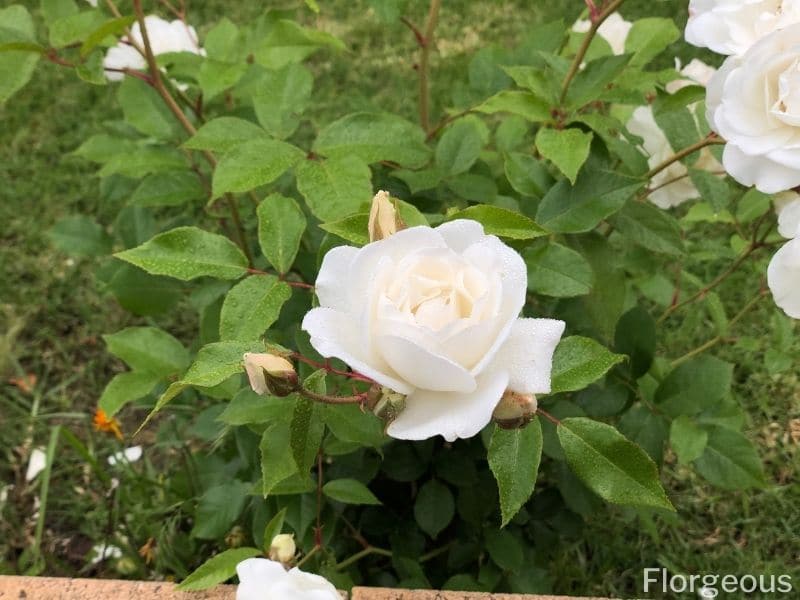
{"points": [[54, 312]]}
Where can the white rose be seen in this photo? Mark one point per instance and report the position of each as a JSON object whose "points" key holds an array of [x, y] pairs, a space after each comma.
{"points": [[432, 313], [696, 72], [614, 30], [789, 218], [164, 37], [733, 26], [262, 579], [754, 103], [783, 273]]}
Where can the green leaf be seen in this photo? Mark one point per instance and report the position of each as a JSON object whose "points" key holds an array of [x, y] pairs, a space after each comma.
{"points": [[286, 94], [352, 228], [613, 467], [223, 41], [694, 385], [273, 528], [418, 181], [74, 28], [501, 222], [374, 137], [141, 161], [712, 188], [307, 427], [145, 110], [281, 224], [677, 123], [252, 164], [186, 253], [434, 507], [248, 408], [351, 424], [143, 294], [168, 189], [349, 491], [218, 361], [594, 77], [649, 37], [527, 175], [223, 134], [218, 509], [277, 461], [288, 42], [524, 104], [461, 145], [334, 187], [567, 149], [730, 461], [687, 439], [650, 227], [52, 10], [112, 27], [597, 194], [578, 361], [514, 456], [251, 307], [78, 235], [217, 569], [647, 429], [635, 336], [505, 549], [752, 205], [216, 76], [148, 349], [555, 270], [124, 388]]}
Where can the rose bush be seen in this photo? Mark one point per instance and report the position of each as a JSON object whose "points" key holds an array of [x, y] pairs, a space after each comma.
{"points": [[512, 290]]}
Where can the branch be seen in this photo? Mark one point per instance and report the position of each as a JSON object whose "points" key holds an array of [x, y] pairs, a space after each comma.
{"points": [[425, 42], [584, 47], [709, 140]]}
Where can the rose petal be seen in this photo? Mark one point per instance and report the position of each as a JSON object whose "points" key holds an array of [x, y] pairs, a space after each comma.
{"points": [[254, 574], [330, 285], [422, 368], [336, 334], [527, 354], [449, 414], [460, 234], [767, 175], [783, 274]]}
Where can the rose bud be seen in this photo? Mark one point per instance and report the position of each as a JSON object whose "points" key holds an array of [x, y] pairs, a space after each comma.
{"points": [[514, 410], [385, 403], [282, 548], [270, 374], [383, 218]]}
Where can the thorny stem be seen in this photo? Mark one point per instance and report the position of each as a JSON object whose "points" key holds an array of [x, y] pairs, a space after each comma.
{"points": [[716, 340], [326, 399], [330, 369], [361, 554], [311, 553], [709, 140], [425, 42], [584, 47], [548, 416], [158, 84]]}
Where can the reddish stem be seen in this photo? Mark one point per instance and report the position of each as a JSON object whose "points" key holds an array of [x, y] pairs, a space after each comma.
{"points": [[328, 368]]}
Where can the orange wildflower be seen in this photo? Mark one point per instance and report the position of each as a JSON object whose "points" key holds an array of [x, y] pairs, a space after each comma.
{"points": [[102, 422]]}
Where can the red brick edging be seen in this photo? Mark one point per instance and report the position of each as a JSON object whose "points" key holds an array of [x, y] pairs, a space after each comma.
{"points": [[58, 588]]}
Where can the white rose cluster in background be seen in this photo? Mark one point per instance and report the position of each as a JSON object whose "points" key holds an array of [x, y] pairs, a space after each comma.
{"points": [[164, 36], [753, 103], [613, 30]]}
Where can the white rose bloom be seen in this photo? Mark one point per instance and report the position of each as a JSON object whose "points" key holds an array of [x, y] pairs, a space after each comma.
{"points": [[754, 104], [696, 72], [36, 463], [101, 552], [733, 26], [614, 30], [92, 2], [433, 314], [262, 579], [783, 274], [164, 37]]}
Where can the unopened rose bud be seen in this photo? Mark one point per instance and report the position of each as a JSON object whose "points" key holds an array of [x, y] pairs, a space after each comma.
{"points": [[384, 220], [282, 548], [514, 410], [270, 374], [385, 403]]}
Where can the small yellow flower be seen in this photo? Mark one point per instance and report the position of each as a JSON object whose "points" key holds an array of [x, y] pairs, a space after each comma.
{"points": [[102, 422]]}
